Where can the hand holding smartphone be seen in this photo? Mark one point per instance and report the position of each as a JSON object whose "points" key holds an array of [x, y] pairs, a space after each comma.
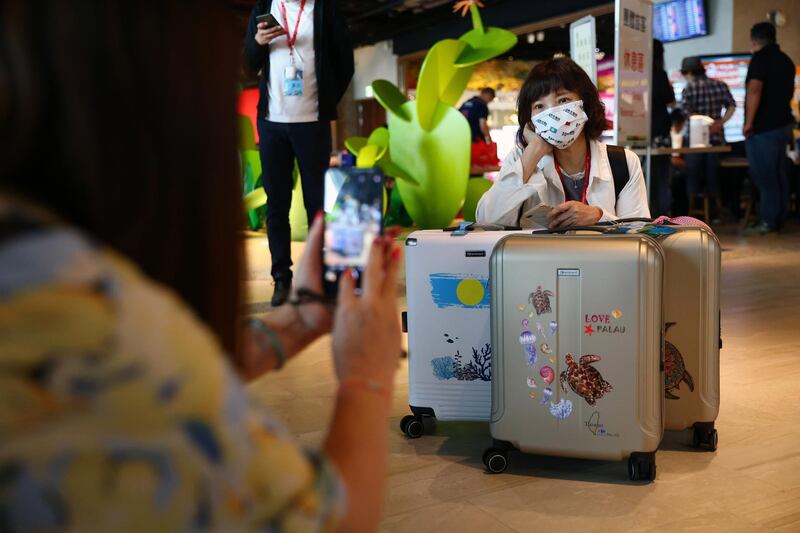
{"points": [[353, 219], [269, 19]]}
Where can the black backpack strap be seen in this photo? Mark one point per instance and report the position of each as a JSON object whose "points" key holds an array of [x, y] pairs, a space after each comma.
{"points": [[619, 167]]}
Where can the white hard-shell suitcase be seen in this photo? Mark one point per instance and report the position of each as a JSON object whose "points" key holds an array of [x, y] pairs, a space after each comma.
{"points": [[447, 320], [576, 325]]}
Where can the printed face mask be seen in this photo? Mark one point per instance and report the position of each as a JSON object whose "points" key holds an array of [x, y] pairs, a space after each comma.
{"points": [[560, 125]]}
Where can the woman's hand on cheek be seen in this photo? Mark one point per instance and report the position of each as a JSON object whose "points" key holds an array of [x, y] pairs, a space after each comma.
{"points": [[574, 213], [535, 141]]}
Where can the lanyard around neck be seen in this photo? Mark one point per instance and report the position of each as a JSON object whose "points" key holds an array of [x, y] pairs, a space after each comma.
{"points": [[585, 174], [292, 39]]}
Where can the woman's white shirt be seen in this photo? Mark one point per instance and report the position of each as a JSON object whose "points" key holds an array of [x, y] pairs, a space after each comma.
{"points": [[501, 203]]}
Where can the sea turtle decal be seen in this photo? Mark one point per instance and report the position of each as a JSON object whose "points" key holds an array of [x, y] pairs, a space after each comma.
{"points": [[585, 379], [540, 300], [674, 369]]}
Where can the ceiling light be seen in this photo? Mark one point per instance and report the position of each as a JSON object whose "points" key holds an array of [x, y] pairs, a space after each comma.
{"points": [[531, 38], [540, 36]]}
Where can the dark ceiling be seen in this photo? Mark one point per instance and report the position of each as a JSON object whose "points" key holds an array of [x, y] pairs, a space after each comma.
{"points": [[415, 25], [371, 21]]}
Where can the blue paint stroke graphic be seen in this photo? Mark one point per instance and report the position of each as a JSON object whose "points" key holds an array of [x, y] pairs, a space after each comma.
{"points": [[444, 287]]}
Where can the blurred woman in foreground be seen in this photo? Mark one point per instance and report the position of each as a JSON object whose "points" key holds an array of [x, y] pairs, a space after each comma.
{"points": [[120, 272]]}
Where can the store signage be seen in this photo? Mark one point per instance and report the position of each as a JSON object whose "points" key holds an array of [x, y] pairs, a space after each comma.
{"points": [[633, 72], [583, 45]]}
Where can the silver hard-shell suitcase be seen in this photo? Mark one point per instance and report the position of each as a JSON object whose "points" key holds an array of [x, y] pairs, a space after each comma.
{"points": [[692, 324], [576, 324]]}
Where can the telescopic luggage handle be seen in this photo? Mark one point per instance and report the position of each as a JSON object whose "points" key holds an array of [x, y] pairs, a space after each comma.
{"points": [[565, 229], [646, 220], [465, 227]]}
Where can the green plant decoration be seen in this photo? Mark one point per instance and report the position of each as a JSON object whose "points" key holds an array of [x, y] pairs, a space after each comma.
{"points": [[428, 139], [476, 187], [374, 151], [254, 195]]}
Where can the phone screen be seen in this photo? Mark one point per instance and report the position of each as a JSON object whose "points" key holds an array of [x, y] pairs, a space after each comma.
{"points": [[269, 19], [353, 218]]}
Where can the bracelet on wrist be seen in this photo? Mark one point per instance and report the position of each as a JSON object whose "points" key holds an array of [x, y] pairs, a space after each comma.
{"points": [[365, 385], [274, 341]]}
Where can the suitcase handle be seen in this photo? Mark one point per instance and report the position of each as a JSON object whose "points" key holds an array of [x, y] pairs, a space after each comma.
{"points": [[569, 228], [629, 220], [464, 227]]}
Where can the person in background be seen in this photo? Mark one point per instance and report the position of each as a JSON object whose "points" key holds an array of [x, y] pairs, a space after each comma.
{"points": [[663, 98], [768, 126], [705, 96], [476, 109], [120, 306], [306, 65], [679, 204]]}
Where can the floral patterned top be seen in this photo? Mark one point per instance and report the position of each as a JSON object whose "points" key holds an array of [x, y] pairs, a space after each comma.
{"points": [[118, 411]]}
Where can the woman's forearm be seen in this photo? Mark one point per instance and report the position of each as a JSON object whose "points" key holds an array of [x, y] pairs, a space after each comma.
{"points": [[530, 160], [357, 445], [261, 355]]}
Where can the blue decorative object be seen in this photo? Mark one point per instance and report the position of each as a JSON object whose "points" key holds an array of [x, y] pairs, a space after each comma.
{"points": [[443, 367], [479, 368], [444, 291]]}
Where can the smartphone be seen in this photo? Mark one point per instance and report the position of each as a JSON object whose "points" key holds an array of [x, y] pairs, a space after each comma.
{"points": [[353, 204], [269, 19]]}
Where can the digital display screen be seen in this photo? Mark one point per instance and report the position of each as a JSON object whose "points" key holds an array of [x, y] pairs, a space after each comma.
{"points": [[679, 19], [353, 218]]}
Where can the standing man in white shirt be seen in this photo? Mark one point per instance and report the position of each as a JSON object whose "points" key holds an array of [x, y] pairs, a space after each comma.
{"points": [[306, 65]]}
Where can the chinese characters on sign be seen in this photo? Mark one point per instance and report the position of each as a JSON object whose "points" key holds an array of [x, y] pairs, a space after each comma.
{"points": [[632, 72], [634, 20], [633, 61]]}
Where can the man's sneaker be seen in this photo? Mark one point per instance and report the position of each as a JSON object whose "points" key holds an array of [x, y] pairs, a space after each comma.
{"points": [[762, 228], [283, 288]]}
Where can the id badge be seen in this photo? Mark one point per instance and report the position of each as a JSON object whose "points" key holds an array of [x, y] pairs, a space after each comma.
{"points": [[292, 81]]}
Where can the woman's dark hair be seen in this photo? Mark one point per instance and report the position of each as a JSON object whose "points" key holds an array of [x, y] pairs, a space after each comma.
{"points": [[555, 74], [120, 118]]}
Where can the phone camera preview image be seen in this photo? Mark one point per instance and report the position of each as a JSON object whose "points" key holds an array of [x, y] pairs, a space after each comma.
{"points": [[353, 219]]}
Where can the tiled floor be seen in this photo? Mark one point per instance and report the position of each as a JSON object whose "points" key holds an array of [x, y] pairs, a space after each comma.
{"points": [[752, 483]]}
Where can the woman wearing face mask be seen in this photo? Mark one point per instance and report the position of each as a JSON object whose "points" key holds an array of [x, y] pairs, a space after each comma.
{"points": [[559, 161]]}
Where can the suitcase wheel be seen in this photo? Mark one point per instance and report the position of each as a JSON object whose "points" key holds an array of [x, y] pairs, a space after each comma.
{"points": [[642, 467], [412, 426], [495, 460], [705, 437]]}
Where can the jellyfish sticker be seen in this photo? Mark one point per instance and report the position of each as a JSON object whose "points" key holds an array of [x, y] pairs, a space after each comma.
{"points": [[546, 348], [526, 338], [531, 383], [525, 323], [530, 351], [528, 341], [540, 328], [561, 410], [546, 395], [553, 327]]}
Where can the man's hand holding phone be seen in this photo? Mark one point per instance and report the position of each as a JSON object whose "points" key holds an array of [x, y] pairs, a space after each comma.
{"points": [[267, 29]]}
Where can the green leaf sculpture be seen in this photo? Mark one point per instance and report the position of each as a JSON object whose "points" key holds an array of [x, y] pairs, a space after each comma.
{"points": [[429, 140]]}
